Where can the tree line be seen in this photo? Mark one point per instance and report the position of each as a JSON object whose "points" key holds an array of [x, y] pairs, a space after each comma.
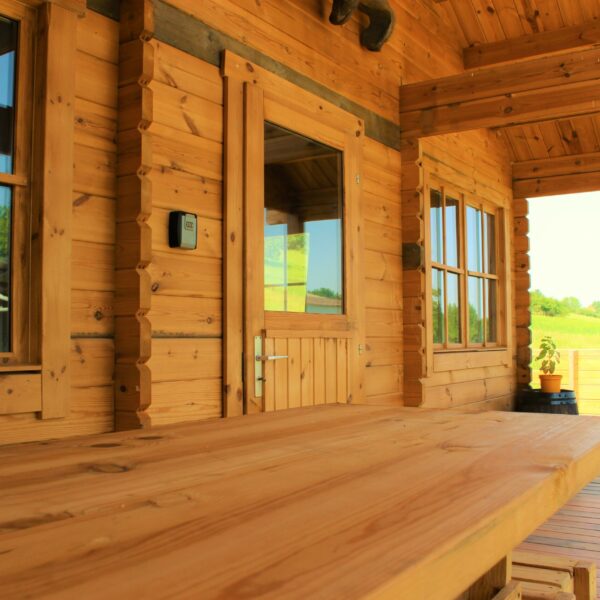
{"points": [[551, 307]]}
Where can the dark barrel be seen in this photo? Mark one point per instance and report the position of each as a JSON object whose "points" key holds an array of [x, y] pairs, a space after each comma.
{"points": [[562, 403]]}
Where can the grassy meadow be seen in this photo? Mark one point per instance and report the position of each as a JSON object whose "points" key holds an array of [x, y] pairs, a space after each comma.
{"points": [[573, 332], [569, 332]]}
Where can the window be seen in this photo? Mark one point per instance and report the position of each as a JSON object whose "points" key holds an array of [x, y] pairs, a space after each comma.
{"points": [[302, 224], [16, 116], [465, 282], [8, 61]]}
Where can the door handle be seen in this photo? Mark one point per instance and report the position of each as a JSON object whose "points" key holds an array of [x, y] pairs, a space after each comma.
{"points": [[271, 357]]}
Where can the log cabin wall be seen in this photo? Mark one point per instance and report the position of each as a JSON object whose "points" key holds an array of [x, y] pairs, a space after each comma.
{"points": [[154, 80], [90, 406], [522, 285], [182, 160], [477, 164]]}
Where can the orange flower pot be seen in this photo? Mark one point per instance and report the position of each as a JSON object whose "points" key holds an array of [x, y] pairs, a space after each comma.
{"points": [[550, 383]]}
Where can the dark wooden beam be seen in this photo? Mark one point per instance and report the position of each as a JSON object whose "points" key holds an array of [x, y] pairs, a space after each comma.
{"points": [[559, 175], [108, 8], [530, 91], [535, 44]]}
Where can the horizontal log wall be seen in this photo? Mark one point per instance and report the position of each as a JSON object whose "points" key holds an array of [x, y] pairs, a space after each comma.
{"points": [[92, 322], [181, 168], [186, 173], [477, 164]]}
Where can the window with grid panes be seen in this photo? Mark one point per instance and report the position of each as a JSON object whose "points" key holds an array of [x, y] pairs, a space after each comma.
{"points": [[465, 282]]}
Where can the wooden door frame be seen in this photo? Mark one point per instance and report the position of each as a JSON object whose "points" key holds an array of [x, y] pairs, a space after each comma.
{"points": [[253, 95]]}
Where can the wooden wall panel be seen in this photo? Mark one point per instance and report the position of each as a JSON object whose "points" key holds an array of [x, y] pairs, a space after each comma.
{"points": [[92, 293], [316, 372], [298, 34], [381, 210], [478, 164], [185, 167]]}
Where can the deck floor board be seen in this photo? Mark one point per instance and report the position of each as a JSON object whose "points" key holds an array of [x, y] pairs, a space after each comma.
{"points": [[574, 531]]}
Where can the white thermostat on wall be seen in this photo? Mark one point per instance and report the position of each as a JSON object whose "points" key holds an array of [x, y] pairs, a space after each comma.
{"points": [[183, 230]]}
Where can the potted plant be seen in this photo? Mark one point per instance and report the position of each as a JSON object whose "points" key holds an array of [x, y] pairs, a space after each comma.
{"points": [[550, 357]]}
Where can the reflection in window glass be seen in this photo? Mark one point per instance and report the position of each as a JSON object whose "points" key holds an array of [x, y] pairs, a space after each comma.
{"points": [[439, 334], [490, 243], [474, 239], [492, 310], [437, 228], [5, 274], [452, 232], [476, 310], [8, 58], [453, 282], [303, 231]]}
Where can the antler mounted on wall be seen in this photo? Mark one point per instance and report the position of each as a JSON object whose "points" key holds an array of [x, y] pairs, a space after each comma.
{"points": [[381, 20]]}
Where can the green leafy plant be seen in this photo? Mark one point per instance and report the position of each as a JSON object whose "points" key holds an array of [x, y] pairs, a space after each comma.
{"points": [[549, 355]]}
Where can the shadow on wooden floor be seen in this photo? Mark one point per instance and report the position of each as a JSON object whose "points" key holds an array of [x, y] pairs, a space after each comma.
{"points": [[573, 531]]}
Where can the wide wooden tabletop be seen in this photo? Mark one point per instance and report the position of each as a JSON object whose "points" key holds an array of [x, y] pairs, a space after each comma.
{"points": [[331, 502]]}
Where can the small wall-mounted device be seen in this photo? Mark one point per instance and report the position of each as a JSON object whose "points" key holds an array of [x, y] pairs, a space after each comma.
{"points": [[183, 230]]}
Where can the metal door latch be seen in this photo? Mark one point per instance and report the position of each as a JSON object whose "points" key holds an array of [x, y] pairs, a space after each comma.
{"points": [[259, 359]]}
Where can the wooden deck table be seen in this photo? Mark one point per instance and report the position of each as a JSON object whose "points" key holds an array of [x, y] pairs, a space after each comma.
{"points": [[336, 502]]}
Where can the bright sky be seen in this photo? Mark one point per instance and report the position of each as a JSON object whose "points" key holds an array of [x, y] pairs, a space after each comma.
{"points": [[565, 246]]}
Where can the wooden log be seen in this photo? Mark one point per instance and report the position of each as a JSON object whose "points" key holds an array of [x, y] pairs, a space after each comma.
{"points": [[133, 333], [505, 110], [554, 186], [556, 166], [492, 82], [534, 44]]}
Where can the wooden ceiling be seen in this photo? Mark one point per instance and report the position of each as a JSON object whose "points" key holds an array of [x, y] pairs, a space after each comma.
{"points": [[484, 21]]}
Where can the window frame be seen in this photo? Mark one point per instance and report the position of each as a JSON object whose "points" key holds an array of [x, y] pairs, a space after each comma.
{"points": [[500, 277], [341, 149], [40, 369], [22, 350]]}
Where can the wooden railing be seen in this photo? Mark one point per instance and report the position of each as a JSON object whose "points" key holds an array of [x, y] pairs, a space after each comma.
{"points": [[581, 372]]}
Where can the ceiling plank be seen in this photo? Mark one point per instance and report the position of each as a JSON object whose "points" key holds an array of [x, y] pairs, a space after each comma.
{"points": [[558, 175], [535, 44]]}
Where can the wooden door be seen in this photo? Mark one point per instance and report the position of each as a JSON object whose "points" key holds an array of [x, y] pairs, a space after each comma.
{"points": [[303, 321]]}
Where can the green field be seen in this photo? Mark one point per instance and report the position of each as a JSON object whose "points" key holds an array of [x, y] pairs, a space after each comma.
{"points": [[569, 332]]}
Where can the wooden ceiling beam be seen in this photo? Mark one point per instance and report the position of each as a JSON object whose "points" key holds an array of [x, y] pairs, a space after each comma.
{"points": [[535, 44], [538, 89], [557, 175]]}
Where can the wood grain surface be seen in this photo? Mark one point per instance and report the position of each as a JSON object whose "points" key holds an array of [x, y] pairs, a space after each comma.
{"points": [[324, 502]]}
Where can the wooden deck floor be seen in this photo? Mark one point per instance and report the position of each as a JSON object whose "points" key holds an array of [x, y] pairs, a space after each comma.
{"points": [[573, 531]]}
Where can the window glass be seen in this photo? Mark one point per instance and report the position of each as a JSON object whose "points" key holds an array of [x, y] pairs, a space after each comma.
{"points": [[476, 310], [8, 58], [492, 310], [474, 240], [5, 270], [439, 329], [437, 227], [452, 232], [303, 229], [490, 243], [454, 329]]}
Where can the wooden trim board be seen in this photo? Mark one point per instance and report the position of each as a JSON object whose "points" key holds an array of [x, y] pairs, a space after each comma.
{"points": [[58, 52]]}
